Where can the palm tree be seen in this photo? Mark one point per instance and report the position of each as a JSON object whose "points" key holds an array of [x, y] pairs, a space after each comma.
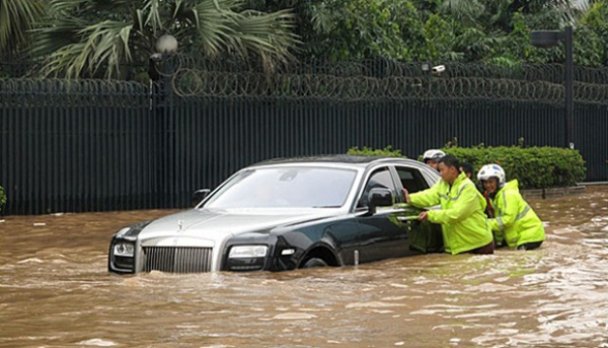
{"points": [[16, 18], [93, 38]]}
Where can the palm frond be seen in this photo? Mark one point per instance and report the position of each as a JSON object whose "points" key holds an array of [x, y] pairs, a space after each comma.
{"points": [[105, 47], [96, 37], [216, 29], [268, 35], [16, 19], [153, 18], [183, 11], [65, 6], [48, 39]]}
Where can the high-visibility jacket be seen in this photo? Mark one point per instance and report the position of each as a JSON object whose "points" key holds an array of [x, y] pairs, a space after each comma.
{"points": [[515, 221], [463, 222]]}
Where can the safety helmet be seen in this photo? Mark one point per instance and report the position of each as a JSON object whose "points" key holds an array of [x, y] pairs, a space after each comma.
{"points": [[432, 154], [492, 170]]}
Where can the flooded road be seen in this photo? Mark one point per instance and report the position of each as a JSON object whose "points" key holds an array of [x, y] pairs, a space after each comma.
{"points": [[55, 292]]}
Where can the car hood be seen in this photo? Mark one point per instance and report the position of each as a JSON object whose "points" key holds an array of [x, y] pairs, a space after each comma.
{"points": [[215, 225]]}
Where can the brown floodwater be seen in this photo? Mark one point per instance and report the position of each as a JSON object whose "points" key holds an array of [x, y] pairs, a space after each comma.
{"points": [[55, 292]]}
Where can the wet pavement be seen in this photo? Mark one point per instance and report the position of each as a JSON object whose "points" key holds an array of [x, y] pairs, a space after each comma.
{"points": [[55, 292]]}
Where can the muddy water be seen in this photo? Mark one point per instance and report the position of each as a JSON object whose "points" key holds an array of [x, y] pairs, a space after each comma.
{"points": [[55, 292]]}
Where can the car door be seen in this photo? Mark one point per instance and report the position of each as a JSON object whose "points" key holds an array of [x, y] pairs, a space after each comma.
{"points": [[423, 237], [381, 235]]}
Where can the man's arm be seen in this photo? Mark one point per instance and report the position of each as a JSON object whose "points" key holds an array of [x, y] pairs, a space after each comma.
{"points": [[426, 198], [506, 216], [464, 206]]}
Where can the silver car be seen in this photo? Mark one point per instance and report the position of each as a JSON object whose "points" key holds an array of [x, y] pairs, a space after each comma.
{"points": [[286, 214]]}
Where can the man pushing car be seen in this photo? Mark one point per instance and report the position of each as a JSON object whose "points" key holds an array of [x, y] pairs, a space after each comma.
{"points": [[464, 225]]}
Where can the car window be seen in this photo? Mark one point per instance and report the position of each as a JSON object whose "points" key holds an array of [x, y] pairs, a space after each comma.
{"points": [[285, 187], [380, 178], [411, 179]]}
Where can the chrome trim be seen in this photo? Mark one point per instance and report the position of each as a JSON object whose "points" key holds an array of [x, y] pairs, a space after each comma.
{"points": [[177, 259]]}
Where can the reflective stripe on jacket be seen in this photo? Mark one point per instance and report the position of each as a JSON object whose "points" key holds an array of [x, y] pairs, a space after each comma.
{"points": [[462, 217], [515, 220]]}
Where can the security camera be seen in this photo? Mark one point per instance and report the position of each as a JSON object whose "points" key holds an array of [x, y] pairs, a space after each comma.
{"points": [[438, 68]]}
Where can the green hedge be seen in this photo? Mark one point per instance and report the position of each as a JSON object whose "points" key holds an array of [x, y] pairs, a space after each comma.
{"points": [[367, 151], [2, 198], [533, 167]]}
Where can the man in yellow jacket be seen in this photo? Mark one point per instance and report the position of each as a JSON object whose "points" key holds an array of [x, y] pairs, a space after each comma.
{"points": [[514, 222], [463, 222]]}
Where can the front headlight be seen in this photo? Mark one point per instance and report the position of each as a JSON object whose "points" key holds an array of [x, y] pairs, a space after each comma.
{"points": [[124, 249], [247, 251]]}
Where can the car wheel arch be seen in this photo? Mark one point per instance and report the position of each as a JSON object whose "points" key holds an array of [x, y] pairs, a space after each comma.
{"points": [[323, 252]]}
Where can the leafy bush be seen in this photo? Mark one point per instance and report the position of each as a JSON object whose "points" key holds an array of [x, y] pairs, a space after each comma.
{"points": [[533, 167], [367, 151], [2, 198]]}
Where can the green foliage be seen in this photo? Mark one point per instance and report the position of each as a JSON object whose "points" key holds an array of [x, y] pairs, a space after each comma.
{"points": [[533, 167], [105, 38], [358, 29], [16, 19], [91, 38], [474, 44], [367, 151], [595, 21], [2, 198], [495, 32], [516, 46], [439, 38]]}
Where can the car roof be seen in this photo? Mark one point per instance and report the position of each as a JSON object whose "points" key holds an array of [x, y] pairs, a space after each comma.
{"points": [[355, 161]]}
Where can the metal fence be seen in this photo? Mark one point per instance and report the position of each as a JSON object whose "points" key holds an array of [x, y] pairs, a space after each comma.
{"points": [[111, 145]]}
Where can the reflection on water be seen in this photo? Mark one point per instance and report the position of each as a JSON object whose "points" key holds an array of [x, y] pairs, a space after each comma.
{"points": [[55, 292]]}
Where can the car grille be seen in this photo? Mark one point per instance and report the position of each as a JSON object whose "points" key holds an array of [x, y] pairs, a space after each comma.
{"points": [[177, 260]]}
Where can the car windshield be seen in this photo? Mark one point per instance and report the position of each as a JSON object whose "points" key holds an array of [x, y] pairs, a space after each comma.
{"points": [[285, 187]]}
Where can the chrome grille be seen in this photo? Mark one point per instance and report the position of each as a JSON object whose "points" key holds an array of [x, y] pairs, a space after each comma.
{"points": [[177, 260]]}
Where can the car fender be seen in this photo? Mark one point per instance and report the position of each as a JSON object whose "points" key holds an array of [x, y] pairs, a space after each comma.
{"points": [[294, 247], [321, 250]]}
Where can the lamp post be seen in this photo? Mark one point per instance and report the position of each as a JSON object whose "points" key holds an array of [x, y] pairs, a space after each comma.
{"points": [[160, 69], [550, 38], [426, 70]]}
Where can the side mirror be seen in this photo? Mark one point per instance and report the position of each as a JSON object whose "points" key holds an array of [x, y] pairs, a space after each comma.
{"points": [[199, 195], [379, 197]]}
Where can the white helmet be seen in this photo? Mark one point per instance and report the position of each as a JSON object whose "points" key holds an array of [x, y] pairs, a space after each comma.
{"points": [[492, 170], [432, 154]]}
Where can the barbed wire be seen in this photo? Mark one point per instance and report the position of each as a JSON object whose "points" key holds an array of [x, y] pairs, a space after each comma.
{"points": [[62, 92], [365, 80], [193, 82], [380, 68], [380, 78]]}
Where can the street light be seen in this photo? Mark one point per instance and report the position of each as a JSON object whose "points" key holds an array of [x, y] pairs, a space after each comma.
{"points": [[160, 69], [550, 38], [166, 46]]}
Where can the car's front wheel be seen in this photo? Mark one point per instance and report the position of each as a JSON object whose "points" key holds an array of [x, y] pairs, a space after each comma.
{"points": [[314, 262]]}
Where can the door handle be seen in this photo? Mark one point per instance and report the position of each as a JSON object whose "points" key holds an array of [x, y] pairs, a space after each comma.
{"points": [[407, 218]]}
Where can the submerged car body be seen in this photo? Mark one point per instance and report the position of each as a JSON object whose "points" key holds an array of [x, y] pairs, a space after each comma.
{"points": [[285, 214]]}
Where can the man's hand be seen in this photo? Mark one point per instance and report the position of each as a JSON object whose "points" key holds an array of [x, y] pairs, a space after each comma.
{"points": [[406, 195], [423, 216]]}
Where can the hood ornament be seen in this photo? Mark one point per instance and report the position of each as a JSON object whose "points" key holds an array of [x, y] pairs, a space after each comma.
{"points": [[180, 225]]}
